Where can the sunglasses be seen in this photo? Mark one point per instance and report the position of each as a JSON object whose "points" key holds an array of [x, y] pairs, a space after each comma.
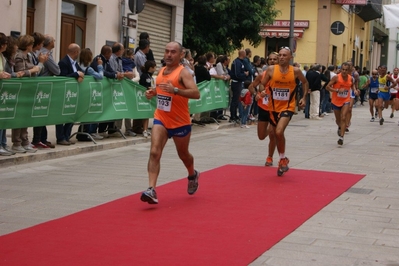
{"points": [[285, 47]]}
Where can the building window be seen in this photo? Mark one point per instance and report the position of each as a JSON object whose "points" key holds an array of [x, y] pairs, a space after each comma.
{"points": [[31, 3], [74, 9]]}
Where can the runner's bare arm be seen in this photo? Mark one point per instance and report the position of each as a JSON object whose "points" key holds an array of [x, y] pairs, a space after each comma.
{"points": [[354, 88], [367, 83], [266, 77], [356, 76], [393, 82], [331, 83], [255, 83], [187, 80], [150, 93]]}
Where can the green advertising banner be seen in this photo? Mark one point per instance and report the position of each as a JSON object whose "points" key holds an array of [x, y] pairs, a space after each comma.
{"points": [[29, 102]]}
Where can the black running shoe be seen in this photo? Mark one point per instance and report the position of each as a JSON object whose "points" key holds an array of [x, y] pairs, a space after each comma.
{"points": [[193, 183], [149, 196], [340, 141], [381, 121], [391, 116]]}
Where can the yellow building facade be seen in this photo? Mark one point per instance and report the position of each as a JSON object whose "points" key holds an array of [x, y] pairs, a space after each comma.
{"points": [[325, 33]]}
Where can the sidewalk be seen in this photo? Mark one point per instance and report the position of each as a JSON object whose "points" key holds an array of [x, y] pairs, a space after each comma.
{"points": [[61, 151]]}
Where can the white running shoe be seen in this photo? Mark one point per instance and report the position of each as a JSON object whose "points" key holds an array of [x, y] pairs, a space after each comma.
{"points": [[30, 148]]}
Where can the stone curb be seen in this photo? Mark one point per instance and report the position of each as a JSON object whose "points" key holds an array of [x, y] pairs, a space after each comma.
{"points": [[85, 147]]}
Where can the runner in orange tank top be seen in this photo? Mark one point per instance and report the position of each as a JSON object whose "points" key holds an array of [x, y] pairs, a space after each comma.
{"points": [[174, 86], [263, 97], [340, 87], [283, 99]]}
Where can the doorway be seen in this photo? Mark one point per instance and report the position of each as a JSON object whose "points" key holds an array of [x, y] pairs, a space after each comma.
{"points": [[30, 17], [73, 25], [334, 56], [273, 44]]}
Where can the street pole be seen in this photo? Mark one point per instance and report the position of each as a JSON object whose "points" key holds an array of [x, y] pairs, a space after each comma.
{"points": [[121, 14], [292, 20]]}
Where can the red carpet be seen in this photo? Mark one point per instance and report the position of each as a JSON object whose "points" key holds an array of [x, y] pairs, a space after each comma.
{"points": [[238, 213]]}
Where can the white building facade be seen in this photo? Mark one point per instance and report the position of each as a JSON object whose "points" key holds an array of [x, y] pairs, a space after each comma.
{"points": [[393, 44], [93, 23]]}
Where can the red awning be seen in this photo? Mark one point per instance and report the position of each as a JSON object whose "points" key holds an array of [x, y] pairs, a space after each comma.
{"points": [[271, 32]]}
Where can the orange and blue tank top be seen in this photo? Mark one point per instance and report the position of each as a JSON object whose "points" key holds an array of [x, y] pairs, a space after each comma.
{"points": [[263, 102], [339, 99], [282, 90], [172, 110]]}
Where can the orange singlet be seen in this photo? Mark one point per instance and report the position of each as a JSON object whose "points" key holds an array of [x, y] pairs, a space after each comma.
{"points": [[264, 102], [282, 90], [341, 98], [172, 110]]}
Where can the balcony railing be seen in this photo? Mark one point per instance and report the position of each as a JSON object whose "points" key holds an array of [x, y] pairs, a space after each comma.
{"points": [[372, 10]]}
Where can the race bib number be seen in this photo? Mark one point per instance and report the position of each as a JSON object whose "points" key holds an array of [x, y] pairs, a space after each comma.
{"points": [[164, 103], [343, 94], [381, 86], [393, 91], [373, 90], [265, 100], [281, 94]]}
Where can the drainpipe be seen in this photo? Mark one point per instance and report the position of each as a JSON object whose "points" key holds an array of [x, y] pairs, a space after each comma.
{"points": [[396, 48], [292, 20], [121, 14]]}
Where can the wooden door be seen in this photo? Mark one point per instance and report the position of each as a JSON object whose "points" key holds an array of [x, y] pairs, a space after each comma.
{"points": [[73, 30], [30, 20]]}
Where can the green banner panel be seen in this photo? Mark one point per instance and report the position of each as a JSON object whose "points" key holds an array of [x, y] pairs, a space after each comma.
{"points": [[28, 102]]}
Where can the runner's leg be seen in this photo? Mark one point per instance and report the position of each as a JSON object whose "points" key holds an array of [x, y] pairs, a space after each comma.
{"points": [[187, 158], [159, 137]]}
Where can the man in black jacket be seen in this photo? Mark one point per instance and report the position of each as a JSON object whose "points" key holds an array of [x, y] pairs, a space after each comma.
{"points": [[238, 76], [314, 80], [68, 68]]}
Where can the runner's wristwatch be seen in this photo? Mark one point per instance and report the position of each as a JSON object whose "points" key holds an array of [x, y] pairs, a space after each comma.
{"points": [[175, 90]]}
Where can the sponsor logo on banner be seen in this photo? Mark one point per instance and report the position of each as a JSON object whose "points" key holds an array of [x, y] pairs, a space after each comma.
{"points": [[218, 95], [227, 93], [208, 96], [54, 100], [96, 97], [198, 102], [70, 104], [8, 100], [118, 97], [143, 104], [41, 103]]}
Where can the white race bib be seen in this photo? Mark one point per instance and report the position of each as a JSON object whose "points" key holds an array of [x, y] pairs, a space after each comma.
{"points": [[393, 91], [343, 94], [281, 94], [164, 103], [373, 90], [381, 86]]}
